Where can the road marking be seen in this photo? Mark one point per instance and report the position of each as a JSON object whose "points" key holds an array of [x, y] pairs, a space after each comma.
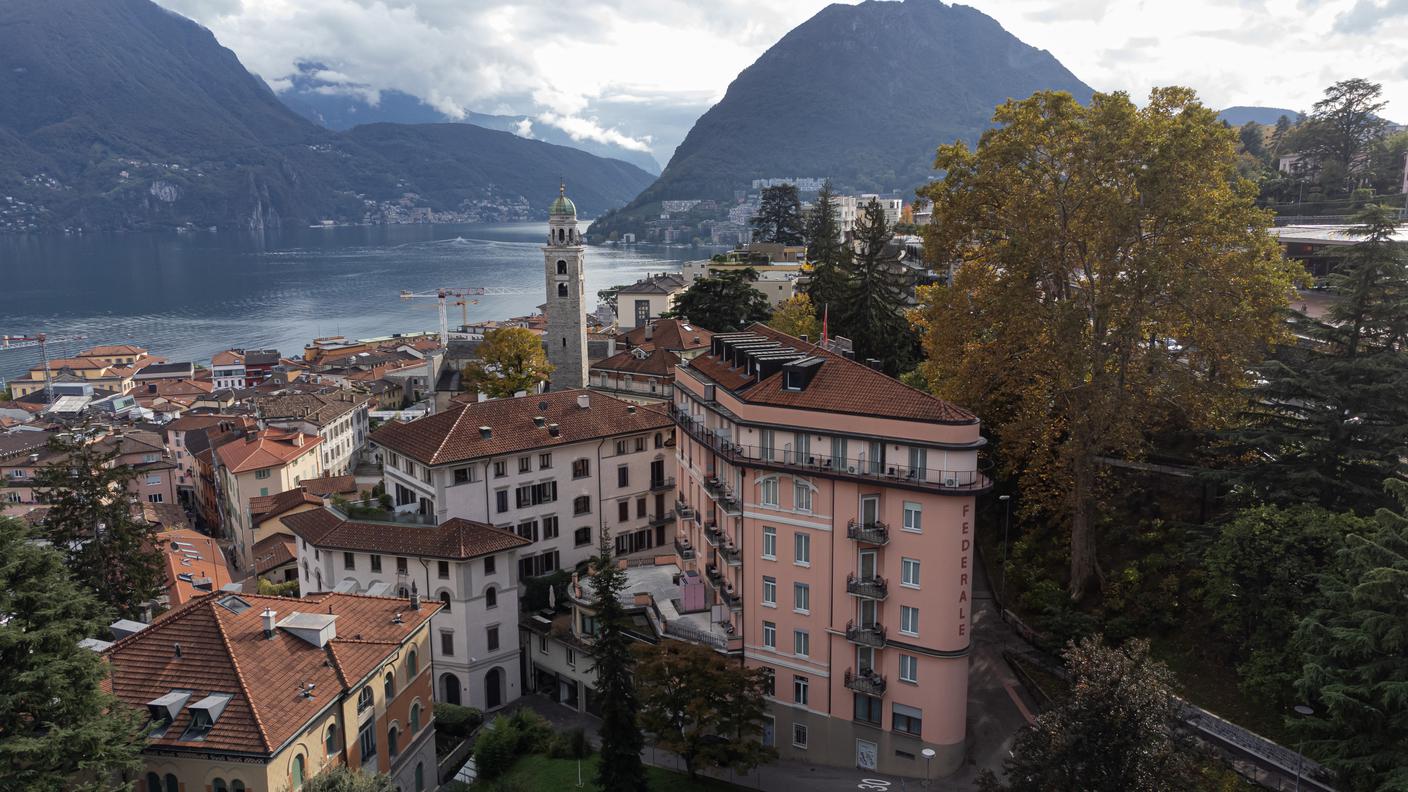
{"points": [[1016, 699]]}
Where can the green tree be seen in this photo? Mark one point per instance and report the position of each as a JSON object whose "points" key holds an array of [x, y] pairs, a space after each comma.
{"points": [[1113, 277], [345, 779], [58, 730], [614, 664], [796, 316], [1355, 645], [1252, 141], [723, 301], [1111, 733], [511, 359], [1327, 422], [701, 707], [1341, 129], [875, 296], [1260, 581], [779, 217], [109, 553], [828, 253]]}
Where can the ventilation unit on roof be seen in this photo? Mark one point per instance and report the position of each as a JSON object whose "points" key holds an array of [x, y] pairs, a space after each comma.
{"points": [[315, 628]]}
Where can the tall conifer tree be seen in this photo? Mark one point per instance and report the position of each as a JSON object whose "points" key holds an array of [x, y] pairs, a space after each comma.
{"points": [[779, 217], [827, 252], [872, 313], [621, 740]]}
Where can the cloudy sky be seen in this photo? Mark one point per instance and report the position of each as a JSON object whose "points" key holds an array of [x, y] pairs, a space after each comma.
{"points": [[636, 73]]}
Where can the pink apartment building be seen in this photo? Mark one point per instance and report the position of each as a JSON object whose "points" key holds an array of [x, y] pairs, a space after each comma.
{"points": [[831, 509]]}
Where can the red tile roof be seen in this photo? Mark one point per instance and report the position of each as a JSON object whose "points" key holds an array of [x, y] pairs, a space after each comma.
{"points": [[672, 334], [266, 507], [659, 362], [455, 539], [112, 350], [840, 385], [454, 435], [227, 358], [331, 485], [267, 448], [196, 556], [273, 551], [206, 647]]}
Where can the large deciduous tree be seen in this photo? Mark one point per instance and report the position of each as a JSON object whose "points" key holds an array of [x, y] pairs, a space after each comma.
{"points": [[1355, 646], [511, 359], [614, 664], [89, 517], [1114, 276], [1111, 733], [779, 217], [701, 707], [874, 304], [1327, 422], [723, 301], [1341, 129], [796, 316], [58, 730]]}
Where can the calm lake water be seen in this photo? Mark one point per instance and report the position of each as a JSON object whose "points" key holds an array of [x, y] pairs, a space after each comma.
{"points": [[187, 296]]}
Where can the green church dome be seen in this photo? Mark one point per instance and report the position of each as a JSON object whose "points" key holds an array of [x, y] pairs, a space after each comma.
{"points": [[563, 205]]}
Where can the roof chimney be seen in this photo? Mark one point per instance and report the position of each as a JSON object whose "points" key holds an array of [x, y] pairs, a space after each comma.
{"points": [[553, 430], [486, 432], [873, 363], [584, 400], [415, 596], [630, 409], [649, 331], [268, 617], [539, 421]]}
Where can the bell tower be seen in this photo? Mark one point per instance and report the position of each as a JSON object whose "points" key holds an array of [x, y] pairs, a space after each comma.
{"points": [[564, 259]]}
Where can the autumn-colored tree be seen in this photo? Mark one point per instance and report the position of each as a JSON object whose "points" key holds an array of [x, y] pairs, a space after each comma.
{"points": [[1114, 276], [700, 706], [796, 316], [511, 359]]}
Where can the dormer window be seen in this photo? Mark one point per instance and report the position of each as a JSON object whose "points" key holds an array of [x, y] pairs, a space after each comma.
{"points": [[163, 711], [204, 714]]}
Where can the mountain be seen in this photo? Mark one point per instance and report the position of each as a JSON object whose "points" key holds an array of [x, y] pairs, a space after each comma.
{"points": [[118, 114], [1241, 114], [859, 94], [340, 106]]}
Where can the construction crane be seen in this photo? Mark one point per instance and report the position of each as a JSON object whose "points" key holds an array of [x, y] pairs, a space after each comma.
{"points": [[8, 342], [460, 294]]}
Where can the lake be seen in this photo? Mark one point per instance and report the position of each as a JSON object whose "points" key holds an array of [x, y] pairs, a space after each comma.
{"points": [[188, 296]]}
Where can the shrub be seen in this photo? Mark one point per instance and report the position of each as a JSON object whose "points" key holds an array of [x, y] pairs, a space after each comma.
{"points": [[457, 721], [496, 749], [534, 732], [571, 744]]}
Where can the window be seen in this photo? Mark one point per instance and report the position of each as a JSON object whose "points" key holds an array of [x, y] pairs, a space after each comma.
{"points": [[582, 536], [802, 496], [366, 740], [769, 542], [770, 591], [420, 777], [571, 657], [620, 447], [501, 501], [799, 735], [581, 468], [801, 597], [500, 468], [445, 600], [801, 643], [640, 443], [803, 451], [296, 774], [376, 563], [412, 664], [489, 566], [869, 709], [365, 699], [542, 644], [909, 620], [414, 719], [525, 464], [550, 527], [802, 548], [535, 494], [447, 643], [218, 785], [623, 511], [582, 504], [492, 638], [400, 565], [461, 475], [913, 517], [768, 492], [918, 463], [262, 474], [491, 597], [562, 292], [769, 635], [388, 687], [766, 442], [838, 453], [331, 741], [909, 668], [544, 461], [623, 476], [155, 497], [908, 720], [153, 479], [909, 572], [349, 560], [561, 265], [800, 685], [640, 507]]}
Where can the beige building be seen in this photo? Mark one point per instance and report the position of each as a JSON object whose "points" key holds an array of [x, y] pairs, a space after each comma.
{"points": [[260, 464], [259, 694], [647, 299]]}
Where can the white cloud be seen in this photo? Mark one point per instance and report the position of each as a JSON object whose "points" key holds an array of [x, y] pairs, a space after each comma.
{"points": [[524, 128], [579, 128]]}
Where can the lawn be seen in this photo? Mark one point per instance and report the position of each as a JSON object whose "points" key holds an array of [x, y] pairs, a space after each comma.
{"points": [[560, 775]]}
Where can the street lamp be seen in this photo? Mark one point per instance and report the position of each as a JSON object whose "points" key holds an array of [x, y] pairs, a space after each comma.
{"points": [[1305, 712], [928, 754], [1006, 524]]}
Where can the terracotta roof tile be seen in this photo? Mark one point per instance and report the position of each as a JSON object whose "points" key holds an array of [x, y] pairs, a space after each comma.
{"points": [[112, 349], [672, 334], [267, 448], [456, 538], [454, 435], [658, 362], [266, 507], [273, 551], [196, 557]]}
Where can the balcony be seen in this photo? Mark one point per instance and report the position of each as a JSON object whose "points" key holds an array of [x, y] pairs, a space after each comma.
{"points": [[713, 572], [684, 549], [874, 532], [956, 482], [713, 535], [723, 496], [731, 554], [730, 599], [873, 587], [657, 520], [667, 483], [684, 511], [867, 681], [865, 634]]}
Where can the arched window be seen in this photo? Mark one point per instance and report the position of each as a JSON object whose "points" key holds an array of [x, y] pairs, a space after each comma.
{"points": [[388, 686], [659, 440], [412, 664], [236, 786], [153, 782], [420, 777], [392, 740], [365, 699], [333, 745], [561, 290], [445, 599], [218, 785], [319, 575], [172, 785], [296, 774], [561, 235], [415, 717], [561, 267], [491, 597]]}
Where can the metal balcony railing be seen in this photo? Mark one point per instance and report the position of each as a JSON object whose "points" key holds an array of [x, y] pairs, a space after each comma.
{"points": [[874, 532], [865, 634], [666, 483], [731, 555], [867, 681], [684, 549], [873, 587], [713, 535]]}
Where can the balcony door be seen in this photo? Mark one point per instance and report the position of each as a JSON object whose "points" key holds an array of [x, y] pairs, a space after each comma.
{"points": [[867, 564], [869, 509], [865, 659], [867, 613]]}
